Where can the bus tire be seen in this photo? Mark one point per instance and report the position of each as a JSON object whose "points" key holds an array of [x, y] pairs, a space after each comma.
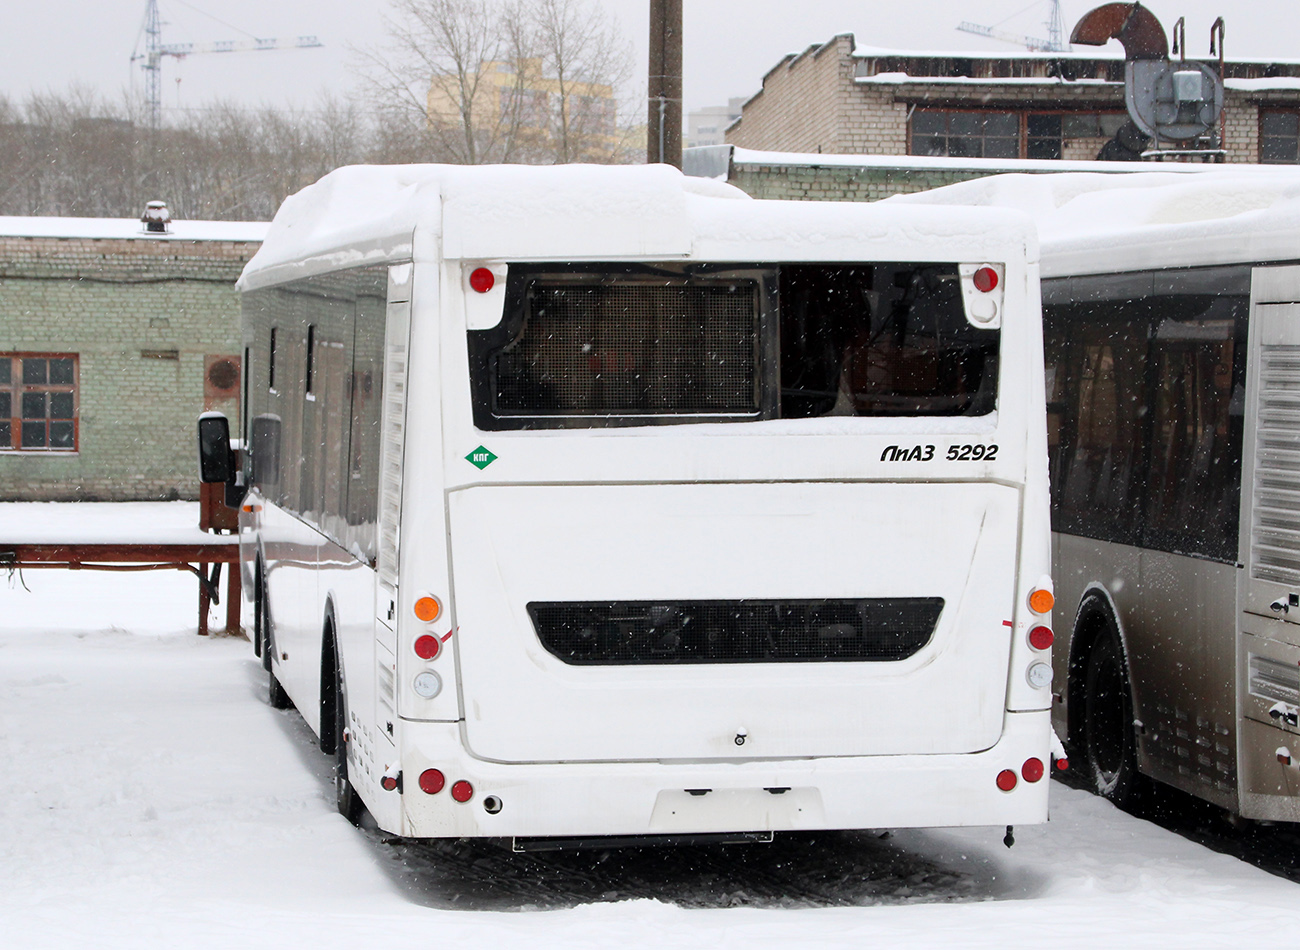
{"points": [[262, 618], [259, 617], [346, 798], [1109, 740]]}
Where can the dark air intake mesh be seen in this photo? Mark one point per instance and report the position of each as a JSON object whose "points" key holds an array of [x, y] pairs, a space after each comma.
{"points": [[735, 631], [633, 348]]}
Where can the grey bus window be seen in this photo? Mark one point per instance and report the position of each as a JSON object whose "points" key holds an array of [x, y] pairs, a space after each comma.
{"points": [[270, 362], [625, 344], [1145, 409], [1193, 480], [882, 340]]}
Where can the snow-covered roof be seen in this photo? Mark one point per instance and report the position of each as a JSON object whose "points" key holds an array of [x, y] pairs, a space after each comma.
{"points": [[370, 214], [15, 226], [1111, 51], [1094, 223], [877, 52], [991, 166], [898, 79]]}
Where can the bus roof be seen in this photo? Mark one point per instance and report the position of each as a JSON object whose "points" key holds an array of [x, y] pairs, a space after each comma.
{"points": [[371, 214], [1092, 223]]}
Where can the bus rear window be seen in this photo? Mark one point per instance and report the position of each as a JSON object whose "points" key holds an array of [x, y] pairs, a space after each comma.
{"points": [[635, 345]]}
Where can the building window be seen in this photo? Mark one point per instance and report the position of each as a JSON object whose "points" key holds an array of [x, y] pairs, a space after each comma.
{"points": [[1000, 134], [1279, 138], [966, 134], [38, 402], [1044, 135]]}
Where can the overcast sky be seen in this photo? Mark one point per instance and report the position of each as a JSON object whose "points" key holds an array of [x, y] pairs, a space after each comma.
{"points": [[48, 45]]}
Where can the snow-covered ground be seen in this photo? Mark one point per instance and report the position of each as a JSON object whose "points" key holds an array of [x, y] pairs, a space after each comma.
{"points": [[149, 797]]}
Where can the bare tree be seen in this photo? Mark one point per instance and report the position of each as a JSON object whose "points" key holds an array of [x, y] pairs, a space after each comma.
{"points": [[515, 81], [455, 67], [74, 154], [588, 60]]}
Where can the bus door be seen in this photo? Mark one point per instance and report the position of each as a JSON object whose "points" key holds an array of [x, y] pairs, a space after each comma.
{"points": [[1268, 654]]}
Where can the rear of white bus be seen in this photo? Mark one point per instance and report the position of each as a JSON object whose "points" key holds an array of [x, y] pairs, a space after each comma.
{"points": [[725, 546]]}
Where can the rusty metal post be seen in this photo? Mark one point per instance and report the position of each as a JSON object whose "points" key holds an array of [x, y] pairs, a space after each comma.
{"points": [[234, 593], [205, 600], [664, 125]]}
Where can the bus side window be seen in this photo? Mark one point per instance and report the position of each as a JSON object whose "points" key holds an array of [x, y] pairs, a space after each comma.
{"points": [[1193, 484], [1098, 465]]}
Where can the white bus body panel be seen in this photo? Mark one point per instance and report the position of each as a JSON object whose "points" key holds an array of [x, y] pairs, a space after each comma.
{"points": [[513, 545], [631, 798]]}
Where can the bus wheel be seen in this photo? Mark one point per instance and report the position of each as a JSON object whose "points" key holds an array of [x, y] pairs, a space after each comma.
{"points": [[345, 795], [275, 693], [1108, 723], [261, 646]]}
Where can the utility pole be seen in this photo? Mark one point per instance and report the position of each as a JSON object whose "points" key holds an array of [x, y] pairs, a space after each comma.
{"points": [[664, 128]]}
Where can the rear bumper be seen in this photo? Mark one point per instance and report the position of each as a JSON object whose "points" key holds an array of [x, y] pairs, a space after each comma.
{"points": [[652, 798]]}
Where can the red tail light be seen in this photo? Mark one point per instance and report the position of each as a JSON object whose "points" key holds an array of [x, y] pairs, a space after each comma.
{"points": [[1006, 780], [985, 279], [432, 781], [389, 783], [427, 647], [1032, 770], [1040, 638], [462, 791], [1062, 765], [483, 280]]}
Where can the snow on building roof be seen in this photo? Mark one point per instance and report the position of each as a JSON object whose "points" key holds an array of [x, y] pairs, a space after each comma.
{"points": [[877, 52], [1093, 223], [895, 79], [371, 214], [749, 156], [1112, 51], [108, 228]]}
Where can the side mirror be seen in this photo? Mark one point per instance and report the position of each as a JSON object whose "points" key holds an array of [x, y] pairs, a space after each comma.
{"points": [[265, 450], [216, 462]]}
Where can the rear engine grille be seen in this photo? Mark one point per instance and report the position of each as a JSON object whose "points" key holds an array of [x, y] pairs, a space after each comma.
{"points": [[735, 631], [1275, 531]]}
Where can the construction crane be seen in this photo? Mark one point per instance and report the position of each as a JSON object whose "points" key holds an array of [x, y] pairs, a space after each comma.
{"points": [[156, 49], [1055, 42]]}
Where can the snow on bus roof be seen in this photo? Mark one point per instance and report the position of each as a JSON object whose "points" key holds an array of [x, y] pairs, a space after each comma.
{"points": [[371, 214], [131, 228], [1099, 223]]}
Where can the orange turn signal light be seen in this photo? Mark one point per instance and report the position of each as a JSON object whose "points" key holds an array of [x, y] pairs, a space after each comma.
{"points": [[1041, 600], [427, 608]]}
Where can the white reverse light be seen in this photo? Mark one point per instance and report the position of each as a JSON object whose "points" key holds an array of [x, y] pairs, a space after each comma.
{"points": [[429, 684], [1039, 675]]}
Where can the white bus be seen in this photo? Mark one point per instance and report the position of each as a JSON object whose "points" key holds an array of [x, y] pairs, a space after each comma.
{"points": [[597, 503], [1172, 335]]}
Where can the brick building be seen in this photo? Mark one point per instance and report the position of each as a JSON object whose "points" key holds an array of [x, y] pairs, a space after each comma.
{"points": [[112, 341], [834, 98]]}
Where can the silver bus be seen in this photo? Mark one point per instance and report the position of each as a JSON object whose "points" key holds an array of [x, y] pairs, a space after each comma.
{"points": [[1171, 308]]}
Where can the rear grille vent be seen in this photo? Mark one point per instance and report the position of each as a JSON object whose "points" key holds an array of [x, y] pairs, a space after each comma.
{"points": [[735, 631], [1275, 531], [1272, 679]]}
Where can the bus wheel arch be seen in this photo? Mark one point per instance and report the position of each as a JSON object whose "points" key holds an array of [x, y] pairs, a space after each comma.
{"points": [[261, 626], [334, 721], [331, 678], [1101, 708]]}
